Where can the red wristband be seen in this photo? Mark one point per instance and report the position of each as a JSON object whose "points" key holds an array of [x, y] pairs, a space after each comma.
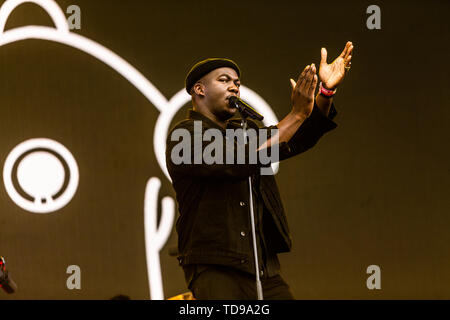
{"points": [[325, 92]]}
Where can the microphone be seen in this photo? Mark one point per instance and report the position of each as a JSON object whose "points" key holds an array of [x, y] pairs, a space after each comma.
{"points": [[244, 108], [6, 282]]}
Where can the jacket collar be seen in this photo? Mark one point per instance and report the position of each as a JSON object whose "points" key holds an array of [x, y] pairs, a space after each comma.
{"points": [[194, 115]]}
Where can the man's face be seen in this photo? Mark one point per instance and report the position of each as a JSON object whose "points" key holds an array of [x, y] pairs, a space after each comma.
{"points": [[219, 85]]}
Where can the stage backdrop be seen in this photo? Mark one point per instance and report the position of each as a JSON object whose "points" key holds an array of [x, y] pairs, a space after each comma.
{"points": [[79, 152]]}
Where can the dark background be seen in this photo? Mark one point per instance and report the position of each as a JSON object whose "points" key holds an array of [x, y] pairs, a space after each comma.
{"points": [[373, 191]]}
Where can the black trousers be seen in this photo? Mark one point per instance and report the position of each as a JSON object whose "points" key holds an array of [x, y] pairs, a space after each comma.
{"points": [[223, 283]]}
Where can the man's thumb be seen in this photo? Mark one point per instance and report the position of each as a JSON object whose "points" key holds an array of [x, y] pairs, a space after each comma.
{"points": [[323, 54]]}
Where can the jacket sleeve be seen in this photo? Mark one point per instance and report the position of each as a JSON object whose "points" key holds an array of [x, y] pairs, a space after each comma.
{"points": [[309, 133]]}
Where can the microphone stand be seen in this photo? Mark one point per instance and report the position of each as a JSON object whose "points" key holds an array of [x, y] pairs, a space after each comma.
{"points": [[252, 215]]}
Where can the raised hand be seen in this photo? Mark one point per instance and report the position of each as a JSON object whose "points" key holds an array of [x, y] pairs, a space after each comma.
{"points": [[302, 96], [332, 74]]}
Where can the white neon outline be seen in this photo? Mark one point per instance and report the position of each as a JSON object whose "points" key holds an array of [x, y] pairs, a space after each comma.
{"points": [[156, 236], [52, 8], [167, 108], [37, 206]]}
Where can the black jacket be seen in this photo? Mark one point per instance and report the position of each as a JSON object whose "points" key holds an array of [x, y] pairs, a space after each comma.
{"points": [[213, 199]]}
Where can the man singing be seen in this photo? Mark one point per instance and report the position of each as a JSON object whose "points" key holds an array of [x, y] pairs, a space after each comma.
{"points": [[215, 240]]}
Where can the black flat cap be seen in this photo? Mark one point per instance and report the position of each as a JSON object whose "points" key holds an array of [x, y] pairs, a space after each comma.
{"points": [[206, 66]]}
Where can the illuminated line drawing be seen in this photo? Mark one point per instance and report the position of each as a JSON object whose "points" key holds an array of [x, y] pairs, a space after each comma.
{"points": [[156, 236], [167, 108], [38, 153]]}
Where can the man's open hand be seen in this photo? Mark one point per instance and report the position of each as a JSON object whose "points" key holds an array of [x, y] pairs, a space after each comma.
{"points": [[302, 96], [332, 74]]}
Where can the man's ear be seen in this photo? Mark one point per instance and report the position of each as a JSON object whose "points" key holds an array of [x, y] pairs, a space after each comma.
{"points": [[199, 89]]}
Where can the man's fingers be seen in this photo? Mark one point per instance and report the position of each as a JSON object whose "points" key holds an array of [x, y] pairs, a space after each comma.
{"points": [[302, 75], [343, 52], [349, 58], [293, 83], [323, 56], [349, 52], [305, 79], [302, 81], [308, 79], [313, 86], [346, 48]]}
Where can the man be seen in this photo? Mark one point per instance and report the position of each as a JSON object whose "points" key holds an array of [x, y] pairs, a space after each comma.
{"points": [[214, 227]]}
